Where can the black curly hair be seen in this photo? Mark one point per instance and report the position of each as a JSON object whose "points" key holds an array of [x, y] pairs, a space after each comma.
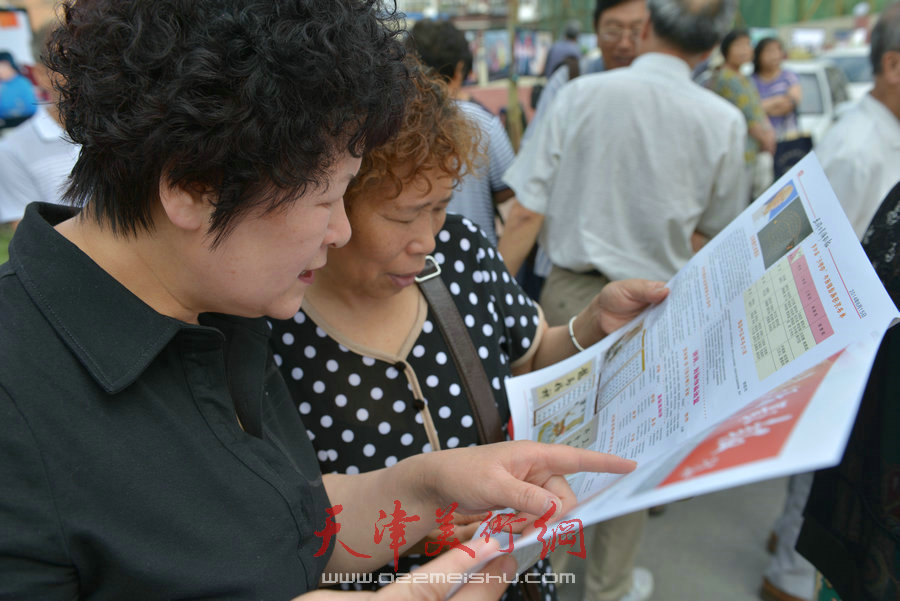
{"points": [[440, 46], [250, 100]]}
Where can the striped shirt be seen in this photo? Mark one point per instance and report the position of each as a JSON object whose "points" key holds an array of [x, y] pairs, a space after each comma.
{"points": [[473, 197], [35, 161]]}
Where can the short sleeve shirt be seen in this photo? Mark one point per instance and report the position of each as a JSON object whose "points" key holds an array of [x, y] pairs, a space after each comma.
{"points": [[474, 195], [619, 217], [360, 407], [784, 125], [741, 92], [35, 160]]}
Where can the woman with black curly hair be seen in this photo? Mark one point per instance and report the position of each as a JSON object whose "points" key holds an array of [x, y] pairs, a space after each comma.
{"points": [[148, 446]]}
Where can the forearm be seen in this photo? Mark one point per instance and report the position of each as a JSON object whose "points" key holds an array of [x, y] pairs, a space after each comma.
{"points": [[764, 135], [698, 241], [519, 236], [556, 343], [778, 106], [361, 497]]}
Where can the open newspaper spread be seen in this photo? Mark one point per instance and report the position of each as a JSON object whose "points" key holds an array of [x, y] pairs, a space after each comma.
{"points": [[752, 368]]}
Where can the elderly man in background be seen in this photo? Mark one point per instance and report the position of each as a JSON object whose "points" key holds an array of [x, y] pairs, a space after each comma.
{"points": [[633, 170], [861, 153], [618, 24], [861, 157]]}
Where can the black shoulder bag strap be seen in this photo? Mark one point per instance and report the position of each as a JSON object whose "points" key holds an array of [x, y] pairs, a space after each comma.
{"points": [[470, 368], [468, 364]]}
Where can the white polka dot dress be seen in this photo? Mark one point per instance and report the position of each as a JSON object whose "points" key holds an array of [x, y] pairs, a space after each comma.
{"points": [[361, 412]]}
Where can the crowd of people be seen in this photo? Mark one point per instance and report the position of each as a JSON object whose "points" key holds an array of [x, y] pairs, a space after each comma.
{"points": [[210, 389]]}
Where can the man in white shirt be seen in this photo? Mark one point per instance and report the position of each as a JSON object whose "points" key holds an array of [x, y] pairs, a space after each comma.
{"points": [[861, 157], [861, 152], [632, 170], [35, 158], [630, 164], [618, 24]]}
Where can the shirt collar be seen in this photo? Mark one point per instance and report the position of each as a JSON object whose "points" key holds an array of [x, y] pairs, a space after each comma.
{"points": [[666, 65], [113, 333], [888, 123], [47, 129]]}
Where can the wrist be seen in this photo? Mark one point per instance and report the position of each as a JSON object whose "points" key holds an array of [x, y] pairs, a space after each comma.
{"points": [[583, 331], [414, 478], [572, 337]]}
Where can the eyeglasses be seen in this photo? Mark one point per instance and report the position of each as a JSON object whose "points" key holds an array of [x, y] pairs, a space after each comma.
{"points": [[613, 33]]}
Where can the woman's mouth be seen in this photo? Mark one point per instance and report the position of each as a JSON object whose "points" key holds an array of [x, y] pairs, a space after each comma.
{"points": [[307, 276], [403, 280]]}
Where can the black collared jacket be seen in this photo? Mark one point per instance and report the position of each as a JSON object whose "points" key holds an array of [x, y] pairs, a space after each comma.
{"points": [[124, 473]]}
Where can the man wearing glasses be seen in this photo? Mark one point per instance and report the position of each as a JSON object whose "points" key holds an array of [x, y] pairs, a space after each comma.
{"points": [[631, 171], [618, 25]]}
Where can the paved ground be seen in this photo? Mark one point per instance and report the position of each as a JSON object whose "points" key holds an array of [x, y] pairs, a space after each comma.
{"points": [[712, 548]]}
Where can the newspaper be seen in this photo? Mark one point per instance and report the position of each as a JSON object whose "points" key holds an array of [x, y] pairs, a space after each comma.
{"points": [[752, 368]]}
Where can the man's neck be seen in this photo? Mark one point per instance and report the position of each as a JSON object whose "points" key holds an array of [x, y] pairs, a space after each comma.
{"points": [[659, 46], [890, 98]]}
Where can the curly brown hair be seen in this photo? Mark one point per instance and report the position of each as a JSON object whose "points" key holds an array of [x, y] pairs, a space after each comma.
{"points": [[435, 134]]}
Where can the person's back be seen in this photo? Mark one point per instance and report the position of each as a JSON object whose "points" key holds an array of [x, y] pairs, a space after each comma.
{"points": [[861, 157], [861, 152], [678, 149], [563, 49]]}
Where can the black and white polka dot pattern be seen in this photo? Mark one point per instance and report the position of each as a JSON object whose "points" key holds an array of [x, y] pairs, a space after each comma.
{"points": [[360, 411]]}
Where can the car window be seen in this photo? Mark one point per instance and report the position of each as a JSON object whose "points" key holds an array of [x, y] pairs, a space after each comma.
{"points": [[857, 69], [812, 103], [838, 85]]}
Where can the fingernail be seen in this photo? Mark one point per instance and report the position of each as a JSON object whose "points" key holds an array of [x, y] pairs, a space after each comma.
{"points": [[551, 503], [510, 566]]}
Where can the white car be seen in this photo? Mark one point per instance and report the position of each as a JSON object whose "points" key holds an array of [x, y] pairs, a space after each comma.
{"points": [[854, 62], [825, 94]]}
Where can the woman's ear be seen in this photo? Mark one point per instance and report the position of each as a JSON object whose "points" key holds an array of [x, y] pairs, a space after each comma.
{"points": [[187, 207]]}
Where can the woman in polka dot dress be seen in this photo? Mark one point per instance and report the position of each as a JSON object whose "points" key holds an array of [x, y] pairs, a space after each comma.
{"points": [[364, 359]]}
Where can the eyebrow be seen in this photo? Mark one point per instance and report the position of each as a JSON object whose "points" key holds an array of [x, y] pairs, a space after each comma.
{"points": [[419, 207], [618, 23]]}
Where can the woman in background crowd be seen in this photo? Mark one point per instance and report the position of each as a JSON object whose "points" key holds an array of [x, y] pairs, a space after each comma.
{"points": [[778, 88], [732, 85]]}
